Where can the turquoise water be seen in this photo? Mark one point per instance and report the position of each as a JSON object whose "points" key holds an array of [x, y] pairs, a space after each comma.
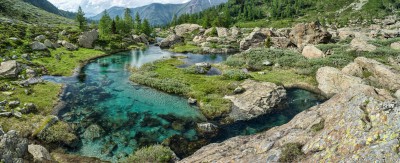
{"points": [[113, 116]]}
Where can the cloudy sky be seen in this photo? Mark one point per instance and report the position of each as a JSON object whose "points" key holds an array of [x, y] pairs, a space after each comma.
{"points": [[92, 7]]}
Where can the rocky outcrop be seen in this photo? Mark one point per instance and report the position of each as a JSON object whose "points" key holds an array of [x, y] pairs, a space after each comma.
{"points": [[353, 69], [257, 99], [357, 125], [13, 148], [69, 46], [253, 40], [140, 39], [9, 69], [87, 39], [379, 73], [183, 29], [281, 42], [39, 153], [310, 51], [36, 45], [332, 81], [359, 44], [310, 33], [222, 32], [170, 41]]}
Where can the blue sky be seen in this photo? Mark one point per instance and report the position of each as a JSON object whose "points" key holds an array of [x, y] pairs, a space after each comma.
{"points": [[92, 7]]}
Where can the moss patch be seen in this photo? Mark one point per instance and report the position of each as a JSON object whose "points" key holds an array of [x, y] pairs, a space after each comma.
{"points": [[155, 153], [291, 152]]}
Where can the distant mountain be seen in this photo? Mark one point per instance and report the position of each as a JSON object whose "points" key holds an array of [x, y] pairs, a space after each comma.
{"points": [[49, 7], [161, 14], [24, 11]]}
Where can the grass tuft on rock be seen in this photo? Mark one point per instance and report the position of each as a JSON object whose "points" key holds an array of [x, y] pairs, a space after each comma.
{"points": [[291, 152]]}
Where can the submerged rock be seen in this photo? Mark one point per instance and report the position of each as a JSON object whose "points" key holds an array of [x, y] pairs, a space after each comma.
{"points": [[258, 99], [93, 132]]}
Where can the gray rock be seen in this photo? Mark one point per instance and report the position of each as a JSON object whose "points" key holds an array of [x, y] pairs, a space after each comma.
{"points": [[310, 52], [13, 148], [40, 38], [14, 57], [38, 46], [9, 69], [2, 108], [207, 127], [309, 33], [170, 41], [255, 39], [39, 153], [26, 56], [13, 104], [69, 46], [281, 42], [48, 43], [31, 81], [183, 29], [5, 114], [16, 114], [360, 44], [258, 99], [87, 39], [397, 94]]}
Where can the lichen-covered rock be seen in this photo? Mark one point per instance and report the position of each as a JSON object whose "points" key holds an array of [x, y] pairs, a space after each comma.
{"points": [[257, 99], [13, 148], [359, 44], [357, 125], [310, 33], [87, 39], [9, 69], [170, 41], [332, 81]]}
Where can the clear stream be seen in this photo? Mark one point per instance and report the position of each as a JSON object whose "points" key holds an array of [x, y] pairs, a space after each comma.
{"points": [[114, 116]]}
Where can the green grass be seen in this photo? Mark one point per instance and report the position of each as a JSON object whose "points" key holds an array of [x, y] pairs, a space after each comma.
{"points": [[69, 60], [186, 48], [209, 90], [284, 77]]}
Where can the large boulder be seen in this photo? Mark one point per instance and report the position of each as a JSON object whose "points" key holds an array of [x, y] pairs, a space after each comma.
{"points": [[332, 81], [310, 51], [379, 73], [353, 69], [69, 46], [281, 42], [140, 39], [357, 125], [87, 39], [255, 39], [36, 45], [310, 33], [39, 153], [258, 99], [395, 45], [13, 148], [360, 44], [183, 29], [9, 69], [170, 41]]}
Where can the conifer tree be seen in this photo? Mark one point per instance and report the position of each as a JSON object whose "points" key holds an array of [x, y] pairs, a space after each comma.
{"points": [[138, 23], [146, 28], [105, 26], [128, 21], [80, 18]]}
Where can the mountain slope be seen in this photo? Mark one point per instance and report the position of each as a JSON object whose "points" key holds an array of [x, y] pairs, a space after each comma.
{"points": [[49, 7], [161, 14], [20, 10]]}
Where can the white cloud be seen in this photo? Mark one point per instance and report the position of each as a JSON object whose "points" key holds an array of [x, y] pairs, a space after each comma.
{"points": [[96, 6]]}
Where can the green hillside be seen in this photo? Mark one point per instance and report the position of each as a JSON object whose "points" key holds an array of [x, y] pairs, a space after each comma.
{"points": [[283, 13], [20, 10], [49, 7]]}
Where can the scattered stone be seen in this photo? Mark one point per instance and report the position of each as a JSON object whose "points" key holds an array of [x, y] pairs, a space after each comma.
{"points": [[40, 38], [69, 46], [3, 103], [258, 99], [39, 153], [310, 52], [170, 41], [31, 81], [359, 44], [38, 46], [13, 104], [16, 113], [87, 39], [2, 108], [48, 43], [9, 69], [5, 114], [26, 56], [203, 64], [29, 108], [395, 45], [239, 90], [192, 101]]}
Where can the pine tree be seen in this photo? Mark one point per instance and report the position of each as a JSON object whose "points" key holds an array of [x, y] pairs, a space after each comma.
{"points": [[146, 29], [105, 26], [80, 18], [113, 27], [128, 21], [138, 23]]}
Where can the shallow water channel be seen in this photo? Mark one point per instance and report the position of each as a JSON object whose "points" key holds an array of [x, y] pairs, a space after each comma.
{"points": [[114, 116]]}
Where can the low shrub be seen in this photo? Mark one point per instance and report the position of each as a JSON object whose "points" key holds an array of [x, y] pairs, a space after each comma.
{"points": [[291, 152], [235, 75], [155, 153], [167, 85]]}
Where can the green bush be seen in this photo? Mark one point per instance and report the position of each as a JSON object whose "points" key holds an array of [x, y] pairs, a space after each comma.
{"points": [[213, 32], [235, 61], [60, 132], [291, 152], [235, 75], [167, 85], [155, 153]]}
